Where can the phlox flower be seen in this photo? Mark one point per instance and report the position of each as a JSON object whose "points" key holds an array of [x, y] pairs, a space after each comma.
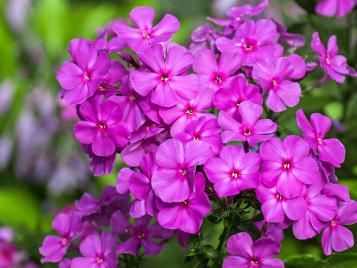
{"points": [[332, 8]]}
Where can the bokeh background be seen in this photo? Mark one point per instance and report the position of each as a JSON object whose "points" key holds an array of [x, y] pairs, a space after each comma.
{"points": [[41, 166]]}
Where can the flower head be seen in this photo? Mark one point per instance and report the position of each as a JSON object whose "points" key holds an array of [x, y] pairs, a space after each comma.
{"points": [[338, 8]]}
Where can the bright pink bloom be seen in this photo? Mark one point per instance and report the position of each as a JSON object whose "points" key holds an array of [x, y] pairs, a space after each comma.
{"points": [[215, 73], [229, 98], [288, 165], [336, 237], [188, 215], [234, 171], [177, 162], [81, 77], [249, 128], [248, 254], [146, 34], [167, 76], [101, 127], [97, 251], [275, 206], [253, 41], [334, 65], [55, 247], [332, 150], [338, 8], [277, 76]]}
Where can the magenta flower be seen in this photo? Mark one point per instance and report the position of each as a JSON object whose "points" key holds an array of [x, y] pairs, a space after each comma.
{"points": [[338, 8], [55, 247], [167, 76], [188, 215], [320, 209], [335, 66], [180, 115], [101, 127], [332, 150], [81, 77], [97, 251], [177, 162], [277, 76], [249, 128], [336, 237], [141, 234], [276, 207], [146, 34], [234, 171], [229, 98], [248, 254], [203, 130], [253, 41], [288, 165], [215, 73]]}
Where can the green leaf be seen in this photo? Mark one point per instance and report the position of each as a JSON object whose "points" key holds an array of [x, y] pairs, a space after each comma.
{"points": [[305, 261], [308, 6], [342, 260], [334, 110]]}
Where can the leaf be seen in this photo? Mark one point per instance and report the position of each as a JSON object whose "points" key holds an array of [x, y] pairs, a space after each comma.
{"points": [[334, 110], [308, 6], [342, 260], [305, 261]]}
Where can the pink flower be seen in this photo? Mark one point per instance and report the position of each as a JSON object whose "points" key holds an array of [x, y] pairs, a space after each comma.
{"points": [[249, 128], [188, 215], [248, 254], [277, 76], [180, 115], [335, 66], [177, 162], [229, 98], [215, 73], [253, 41], [332, 150], [335, 236], [97, 251], [55, 247], [81, 77], [338, 8], [288, 165], [234, 171], [101, 127], [146, 34]]}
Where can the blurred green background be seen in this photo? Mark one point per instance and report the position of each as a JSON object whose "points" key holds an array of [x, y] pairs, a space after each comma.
{"points": [[41, 166]]}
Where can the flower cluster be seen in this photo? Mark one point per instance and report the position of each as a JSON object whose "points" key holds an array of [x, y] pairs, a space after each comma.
{"points": [[197, 127]]}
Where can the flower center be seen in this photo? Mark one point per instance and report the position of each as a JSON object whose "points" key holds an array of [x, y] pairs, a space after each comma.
{"points": [[183, 171], [234, 174], [279, 197], [246, 131], [64, 241], [287, 165], [319, 140], [141, 235], [146, 35], [196, 137], [218, 79], [132, 97], [334, 223], [99, 260], [86, 76], [249, 45], [185, 203], [189, 111], [101, 125], [164, 78], [275, 82]]}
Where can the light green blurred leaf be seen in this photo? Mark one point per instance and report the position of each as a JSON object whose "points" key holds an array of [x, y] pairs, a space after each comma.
{"points": [[334, 110]]}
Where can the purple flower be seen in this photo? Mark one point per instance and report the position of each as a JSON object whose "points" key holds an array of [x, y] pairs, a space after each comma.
{"points": [[338, 8], [97, 251], [335, 66], [139, 235], [275, 76], [177, 162], [253, 41], [167, 76], [249, 128], [101, 127], [274, 231], [203, 130], [248, 254], [55, 247], [335, 236], [229, 98], [320, 209], [288, 165], [332, 150], [292, 39], [215, 73], [275, 206], [81, 77], [234, 171], [188, 215], [146, 34], [180, 115]]}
